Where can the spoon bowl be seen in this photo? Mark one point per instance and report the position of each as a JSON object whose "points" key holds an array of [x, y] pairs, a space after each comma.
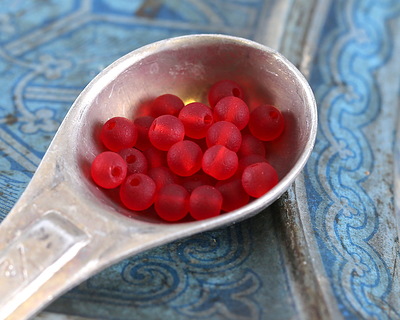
{"points": [[64, 228]]}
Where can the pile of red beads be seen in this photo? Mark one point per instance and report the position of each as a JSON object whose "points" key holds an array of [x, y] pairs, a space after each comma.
{"points": [[193, 160]]}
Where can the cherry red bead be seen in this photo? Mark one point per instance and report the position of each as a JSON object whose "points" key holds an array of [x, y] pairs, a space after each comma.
{"points": [[245, 161], [226, 134], [205, 202], [108, 170], [196, 118], [259, 178], [138, 192], [232, 109], [196, 180], [251, 145], [172, 202], [220, 162], [143, 125], [163, 176], [233, 194], [184, 158], [223, 89], [118, 133], [135, 159], [266, 122], [165, 131], [166, 104], [155, 157]]}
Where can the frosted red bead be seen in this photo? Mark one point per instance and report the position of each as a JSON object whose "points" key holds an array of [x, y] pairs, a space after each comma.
{"points": [[220, 162], [196, 118], [118, 133], [163, 176], [166, 104], [224, 88], [224, 133], [155, 157], [245, 161], [135, 160], [266, 123], [251, 145], [165, 131], [196, 180], [143, 125], [108, 170], [232, 193], [232, 109], [205, 202], [172, 202], [259, 178], [138, 192], [184, 158]]}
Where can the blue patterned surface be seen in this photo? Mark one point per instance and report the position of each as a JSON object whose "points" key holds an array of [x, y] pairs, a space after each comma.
{"points": [[49, 50]]}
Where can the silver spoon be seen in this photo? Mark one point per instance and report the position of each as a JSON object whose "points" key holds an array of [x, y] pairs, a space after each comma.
{"points": [[64, 229]]}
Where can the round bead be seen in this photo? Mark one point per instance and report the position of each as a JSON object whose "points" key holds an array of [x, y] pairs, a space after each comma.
{"points": [[226, 134], [108, 170], [223, 89], [163, 176], [155, 157], [220, 162], [245, 161], [232, 109], [118, 133], [205, 202], [266, 123], [259, 178], [138, 192], [143, 125], [136, 161], [251, 145], [184, 158], [166, 104], [171, 203], [198, 179], [165, 131], [196, 118], [233, 194]]}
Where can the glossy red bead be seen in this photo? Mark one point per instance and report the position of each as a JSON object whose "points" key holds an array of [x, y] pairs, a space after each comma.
{"points": [[259, 178], [226, 134], [184, 158], [224, 88], [196, 118], [166, 104], [138, 192], [172, 202], [220, 162], [232, 109], [118, 133], [266, 123], [135, 160], [108, 170], [165, 131], [205, 202]]}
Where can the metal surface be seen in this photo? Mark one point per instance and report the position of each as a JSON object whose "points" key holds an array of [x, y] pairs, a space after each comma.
{"points": [[79, 229]]}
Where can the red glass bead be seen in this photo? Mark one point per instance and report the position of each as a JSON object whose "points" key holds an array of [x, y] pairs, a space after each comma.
{"points": [[196, 118], [108, 170], [259, 178], [266, 122], [223, 89], [245, 161], [220, 162], [138, 192], [251, 145], [196, 180], [166, 104], [135, 159], [155, 157], [205, 202], [143, 125], [118, 133], [232, 109], [226, 134], [233, 194], [184, 158], [172, 202], [163, 176], [165, 131]]}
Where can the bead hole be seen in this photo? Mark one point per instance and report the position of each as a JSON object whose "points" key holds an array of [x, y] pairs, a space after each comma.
{"points": [[131, 159], [207, 119], [111, 125], [135, 182], [116, 172], [274, 114], [236, 92]]}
